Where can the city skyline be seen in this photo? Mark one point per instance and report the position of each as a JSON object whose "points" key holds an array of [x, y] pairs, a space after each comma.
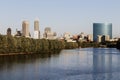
{"points": [[62, 16]]}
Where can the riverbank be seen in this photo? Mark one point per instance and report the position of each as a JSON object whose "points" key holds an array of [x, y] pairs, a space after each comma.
{"points": [[10, 45], [11, 54], [22, 45], [30, 53]]}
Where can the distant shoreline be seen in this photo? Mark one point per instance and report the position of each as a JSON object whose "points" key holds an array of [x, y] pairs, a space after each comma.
{"points": [[28, 53], [10, 45], [11, 54]]}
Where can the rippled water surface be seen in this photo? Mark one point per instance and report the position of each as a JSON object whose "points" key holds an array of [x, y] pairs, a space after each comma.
{"points": [[76, 64]]}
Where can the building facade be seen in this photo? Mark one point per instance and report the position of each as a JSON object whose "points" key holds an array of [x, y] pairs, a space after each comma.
{"points": [[36, 25], [102, 29], [48, 34], [68, 37], [36, 30], [90, 37], [25, 29]]}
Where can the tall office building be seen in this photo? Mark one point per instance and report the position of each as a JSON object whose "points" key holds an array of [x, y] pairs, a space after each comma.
{"points": [[36, 25], [102, 29], [25, 29], [36, 29]]}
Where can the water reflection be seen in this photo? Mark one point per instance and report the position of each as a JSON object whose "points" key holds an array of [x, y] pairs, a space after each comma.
{"points": [[102, 63], [76, 64], [23, 67]]}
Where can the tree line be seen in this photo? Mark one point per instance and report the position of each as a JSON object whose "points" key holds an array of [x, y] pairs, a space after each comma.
{"points": [[118, 44], [10, 44]]}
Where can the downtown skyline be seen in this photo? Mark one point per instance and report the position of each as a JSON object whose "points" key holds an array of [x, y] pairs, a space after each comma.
{"points": [[72, 16]]}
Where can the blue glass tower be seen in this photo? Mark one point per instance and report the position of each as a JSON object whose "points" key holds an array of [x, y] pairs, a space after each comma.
{"points": [[101, 29]]}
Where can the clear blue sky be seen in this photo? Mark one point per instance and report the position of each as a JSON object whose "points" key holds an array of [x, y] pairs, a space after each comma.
{"points": [[73, 16]]}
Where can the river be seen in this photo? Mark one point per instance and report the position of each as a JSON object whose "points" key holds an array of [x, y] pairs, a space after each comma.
{"points": [[74, 64]]}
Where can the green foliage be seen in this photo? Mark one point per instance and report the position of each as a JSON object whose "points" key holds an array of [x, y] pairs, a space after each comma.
{"points": [[3, 44], [9, 44], [88, 44], [71, 45], [111, 44], [118, 44]]}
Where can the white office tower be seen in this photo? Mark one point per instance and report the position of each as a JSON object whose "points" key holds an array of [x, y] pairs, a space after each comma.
{"points": [[36, 30]]}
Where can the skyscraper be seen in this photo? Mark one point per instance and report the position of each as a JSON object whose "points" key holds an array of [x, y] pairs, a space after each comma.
{"points": [[102, 29], [25, 29], [36, 29], [36, 25]]}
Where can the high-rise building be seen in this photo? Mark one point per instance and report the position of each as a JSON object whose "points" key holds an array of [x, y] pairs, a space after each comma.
{"points": [[36, 29], [25, 29], [36, 25], [102, 29], [48, 34], [9, 31]]}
